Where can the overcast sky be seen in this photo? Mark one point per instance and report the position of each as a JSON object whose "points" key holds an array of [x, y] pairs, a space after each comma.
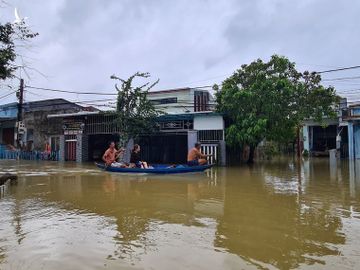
{"points": [[183, 43]]}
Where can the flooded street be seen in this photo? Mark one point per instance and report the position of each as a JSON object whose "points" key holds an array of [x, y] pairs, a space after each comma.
{"points": [[275, 215]]}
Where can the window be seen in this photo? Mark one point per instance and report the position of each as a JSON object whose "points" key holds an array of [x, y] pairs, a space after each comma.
{"points": [[201, 101], [163, 101]]}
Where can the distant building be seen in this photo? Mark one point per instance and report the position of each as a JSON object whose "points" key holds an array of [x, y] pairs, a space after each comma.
{"points": [[352, 120], [35, 128]]}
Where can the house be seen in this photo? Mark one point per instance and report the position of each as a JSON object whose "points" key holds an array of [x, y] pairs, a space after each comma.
{"points": [[34, 129], [8, 116], [318, 138], [352, 119], [189, 117]]}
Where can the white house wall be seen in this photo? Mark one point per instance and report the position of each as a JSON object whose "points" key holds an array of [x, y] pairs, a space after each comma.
{"points": [[208, 122], [185, 101]]}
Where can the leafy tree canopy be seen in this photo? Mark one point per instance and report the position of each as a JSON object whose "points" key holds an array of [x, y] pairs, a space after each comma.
{"points": [[269, 100], [12, 36], [135, 113]]}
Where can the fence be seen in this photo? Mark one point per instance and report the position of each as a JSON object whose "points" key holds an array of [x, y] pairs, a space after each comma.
{"points": [[32, 155], [213, 150]]}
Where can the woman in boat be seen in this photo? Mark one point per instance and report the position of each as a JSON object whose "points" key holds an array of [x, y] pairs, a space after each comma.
{"points": [[136, 159]]}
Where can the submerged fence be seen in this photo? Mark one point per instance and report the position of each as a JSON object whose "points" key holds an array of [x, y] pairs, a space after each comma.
{"points": [[29, 155]]}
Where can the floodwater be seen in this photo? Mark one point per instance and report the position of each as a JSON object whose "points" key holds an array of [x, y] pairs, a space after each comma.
{"points": [[275, 215]]}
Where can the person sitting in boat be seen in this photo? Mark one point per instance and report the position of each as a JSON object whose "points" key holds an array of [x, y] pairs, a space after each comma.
{"points": [[111, 154], [136, 159], [195, 157]]}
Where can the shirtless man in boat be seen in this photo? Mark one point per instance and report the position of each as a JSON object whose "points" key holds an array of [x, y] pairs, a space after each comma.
{"points": [[195, 157], [111, 155]]}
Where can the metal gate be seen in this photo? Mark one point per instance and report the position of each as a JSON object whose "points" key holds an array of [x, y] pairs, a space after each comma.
{"points": [[211, 149], [70, 147]]}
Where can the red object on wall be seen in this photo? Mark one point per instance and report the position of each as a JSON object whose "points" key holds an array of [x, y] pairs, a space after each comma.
{"points": [[70, 150]]}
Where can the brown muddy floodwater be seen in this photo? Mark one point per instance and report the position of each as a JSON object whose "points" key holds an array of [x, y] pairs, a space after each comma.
{"points": [[275, 215]]}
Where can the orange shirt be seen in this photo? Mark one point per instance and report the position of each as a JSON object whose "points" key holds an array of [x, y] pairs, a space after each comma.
{"points": [[194, 154]]}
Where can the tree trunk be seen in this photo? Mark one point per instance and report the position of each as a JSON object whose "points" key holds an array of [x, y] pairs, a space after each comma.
{"points": [[251, 155], [298, 141], [129, 147]]}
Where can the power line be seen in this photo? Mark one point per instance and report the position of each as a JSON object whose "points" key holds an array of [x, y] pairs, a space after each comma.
{"points": [[107, 94], [348, 90], [112, 101], [337, 69], [72, 92], [342, 78], [75, 101], [13, 92]]}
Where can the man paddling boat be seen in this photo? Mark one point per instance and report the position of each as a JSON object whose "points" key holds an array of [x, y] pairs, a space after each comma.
{"points": [[195, 157], [111, 154]]}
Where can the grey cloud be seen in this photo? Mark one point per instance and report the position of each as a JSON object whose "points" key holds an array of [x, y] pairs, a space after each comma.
{"points": [[83, 42]]}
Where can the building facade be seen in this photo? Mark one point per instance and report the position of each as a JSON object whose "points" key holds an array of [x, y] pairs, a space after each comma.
{"points": [[188, 118], [352, 119], [183, 100], [34, 130], [335, 134]]}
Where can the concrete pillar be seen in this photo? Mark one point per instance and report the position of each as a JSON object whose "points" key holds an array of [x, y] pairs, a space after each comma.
{"points": [[192, 138], [306, 137], [62, 148], [82, 148], [356, 131], [222, 148], [351, 140]]}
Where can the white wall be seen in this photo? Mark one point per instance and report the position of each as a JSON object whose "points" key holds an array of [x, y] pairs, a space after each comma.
{"points": [[208, 122], [185, 101]]}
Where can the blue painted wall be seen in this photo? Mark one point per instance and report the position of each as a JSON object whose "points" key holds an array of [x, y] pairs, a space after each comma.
{"points": [[355, 111], [8, 110]]}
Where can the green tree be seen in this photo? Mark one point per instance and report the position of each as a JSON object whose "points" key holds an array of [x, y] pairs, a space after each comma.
{"points": [[12, 36], [269, 100], [135, 113]]}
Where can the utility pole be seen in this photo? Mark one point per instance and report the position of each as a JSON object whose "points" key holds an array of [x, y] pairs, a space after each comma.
{"points": [[298, 142], [20, 96]]}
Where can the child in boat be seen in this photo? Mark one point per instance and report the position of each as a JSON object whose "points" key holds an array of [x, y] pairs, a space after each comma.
{"points": [[195, 157], [136, 159]]}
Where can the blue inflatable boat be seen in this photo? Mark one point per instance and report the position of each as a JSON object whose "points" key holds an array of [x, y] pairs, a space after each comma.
{"points": [[156, 169]]}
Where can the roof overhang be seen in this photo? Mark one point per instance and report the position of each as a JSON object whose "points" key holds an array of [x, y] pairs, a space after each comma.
{"points": [[62, 115], [186, 116], [7, 119]]}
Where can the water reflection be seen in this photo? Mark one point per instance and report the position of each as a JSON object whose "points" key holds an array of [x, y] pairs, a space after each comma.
{"points": [[282, 214], [271, 226]]}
